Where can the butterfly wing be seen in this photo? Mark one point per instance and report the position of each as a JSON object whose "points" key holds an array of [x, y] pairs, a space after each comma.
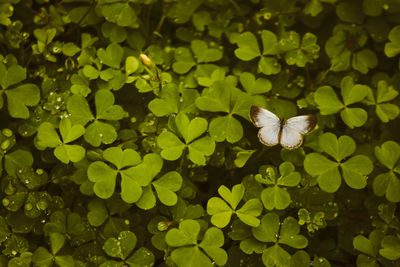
{"points": [[294, 128], [270, 125]]}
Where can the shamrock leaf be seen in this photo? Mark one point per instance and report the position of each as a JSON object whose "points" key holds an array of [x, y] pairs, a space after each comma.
{"points": [[104, 176], [386, 111], [350, 12], [48, 137], [182, 10], [222, 209], [68, 224], [44, 38], [369, 247], [204, 54], [103, 211], [6, 12], [98, 131], [190, 252], [272, 231], [353, 170], [111, 56], [390, 247], [80, 84], [388, 183], [313, 8], [123, 246], [344, 48], [16, 160], [165, 186], [223, 97], [173, 101], [393, 47], [184, 60], [97, 212], [255, 87], [120, 13], [70, 49], [328, 103], [296, 52], [172, 147], [249, 49], [19, 97], [43, 257], [274, 196]]}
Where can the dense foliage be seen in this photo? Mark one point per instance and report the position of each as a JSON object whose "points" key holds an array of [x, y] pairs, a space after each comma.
{"points": [[125, 137]]}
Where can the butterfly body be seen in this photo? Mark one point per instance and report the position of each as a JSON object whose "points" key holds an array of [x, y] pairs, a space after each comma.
{"points": [[289, 133]]}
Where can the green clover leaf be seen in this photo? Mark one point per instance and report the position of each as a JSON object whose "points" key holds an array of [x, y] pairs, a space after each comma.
{"points": [[97, 212], [16, 160], [388, 183], [80, 84], [353, 170], [343, 48], [68, 224], [221, 212], [313, 8], [204, 54], [70, 49], [98, 131], [43, 257], [182, 10], [189, 252], [131, 65], [123, 246], [115, 78], [115, 33], [393, 47], [242, 156], [120, 13], [249, 49], [12, 75], [184, 60], [165, 186], [172, 147], [386, 111], [350, 12], [275, 195], [254, 86], [223, 97], [390, 248], [6, 11], [104, 176], [328, 103], [272, 231], [48, 137], [369, 246], [21, 96], [296, 52], [173, 100], [111, 56]]}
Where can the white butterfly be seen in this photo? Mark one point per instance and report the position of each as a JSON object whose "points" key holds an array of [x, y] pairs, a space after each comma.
{"points": [[286, 132]]}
